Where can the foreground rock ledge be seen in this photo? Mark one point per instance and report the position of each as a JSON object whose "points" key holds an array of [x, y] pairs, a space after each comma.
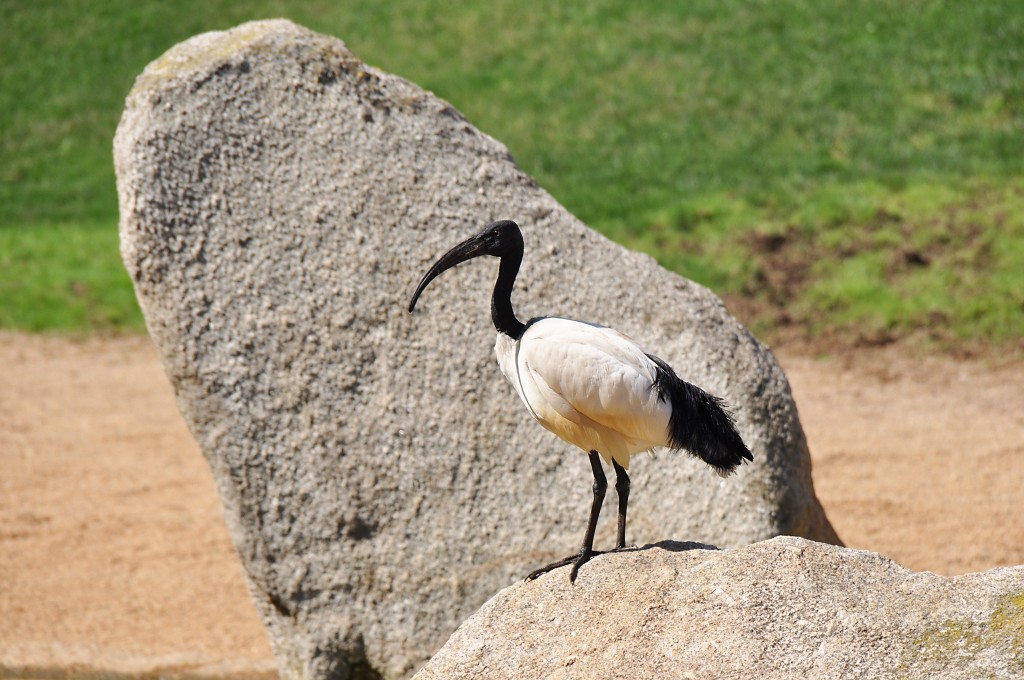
{"points": [[784, 608], [279, 200]]}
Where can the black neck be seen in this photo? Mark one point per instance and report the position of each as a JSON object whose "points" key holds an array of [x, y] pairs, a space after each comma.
{"points": [[502, 316]]}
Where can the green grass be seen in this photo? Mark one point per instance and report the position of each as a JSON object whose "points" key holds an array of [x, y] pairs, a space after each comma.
{"points": [[65, 277], [863, 264], [954, 269], [690, 130]]}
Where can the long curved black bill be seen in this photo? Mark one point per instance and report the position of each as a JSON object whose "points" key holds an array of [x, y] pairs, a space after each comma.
{"points": [[472, 247]]}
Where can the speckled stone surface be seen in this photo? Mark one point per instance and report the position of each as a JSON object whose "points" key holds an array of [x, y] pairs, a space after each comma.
{"points": [[783, 608]]}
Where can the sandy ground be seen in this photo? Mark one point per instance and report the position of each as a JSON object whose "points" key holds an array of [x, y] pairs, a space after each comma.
{"points": [[114, 555]]}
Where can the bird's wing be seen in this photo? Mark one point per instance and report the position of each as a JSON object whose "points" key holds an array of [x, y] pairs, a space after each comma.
{"points": [[591, 372]]}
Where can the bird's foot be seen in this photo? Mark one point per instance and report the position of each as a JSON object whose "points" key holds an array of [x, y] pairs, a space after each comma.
{"points": [[548, 567], [577, 561]]}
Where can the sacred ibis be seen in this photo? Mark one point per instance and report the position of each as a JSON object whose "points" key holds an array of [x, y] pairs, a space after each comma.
{"points": [[594, 387]]}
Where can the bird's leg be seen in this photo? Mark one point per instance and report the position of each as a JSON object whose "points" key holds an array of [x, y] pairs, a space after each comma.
{"points": [[600, 487], [587, 549], [622, 489]]}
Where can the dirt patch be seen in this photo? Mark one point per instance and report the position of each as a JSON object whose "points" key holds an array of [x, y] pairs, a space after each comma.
{"points": [[114, 554], [920, 459], [112, 543]]}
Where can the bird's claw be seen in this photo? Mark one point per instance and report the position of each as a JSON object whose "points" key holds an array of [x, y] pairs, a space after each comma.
{"points": [[582, 559]]}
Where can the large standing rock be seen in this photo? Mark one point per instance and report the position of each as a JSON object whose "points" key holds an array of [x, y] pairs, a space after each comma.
{"points": [[279, 201], [784, 608]]}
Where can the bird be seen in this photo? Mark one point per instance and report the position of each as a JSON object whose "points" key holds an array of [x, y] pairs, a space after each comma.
{"points": [[594, 387]]}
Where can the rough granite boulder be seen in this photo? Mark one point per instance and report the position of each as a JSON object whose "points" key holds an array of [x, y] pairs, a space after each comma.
{"points": [[783, 608], [279, 201]]}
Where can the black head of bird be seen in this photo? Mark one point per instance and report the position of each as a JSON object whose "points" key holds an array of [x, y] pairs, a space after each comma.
{"points": [[594, 387], [500, 239]]}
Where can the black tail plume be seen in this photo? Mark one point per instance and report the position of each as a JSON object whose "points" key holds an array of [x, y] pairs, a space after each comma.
{"points": [[700, 422]]}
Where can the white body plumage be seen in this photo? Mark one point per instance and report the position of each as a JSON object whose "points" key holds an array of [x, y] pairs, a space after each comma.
{"points": [[590, 385]]}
